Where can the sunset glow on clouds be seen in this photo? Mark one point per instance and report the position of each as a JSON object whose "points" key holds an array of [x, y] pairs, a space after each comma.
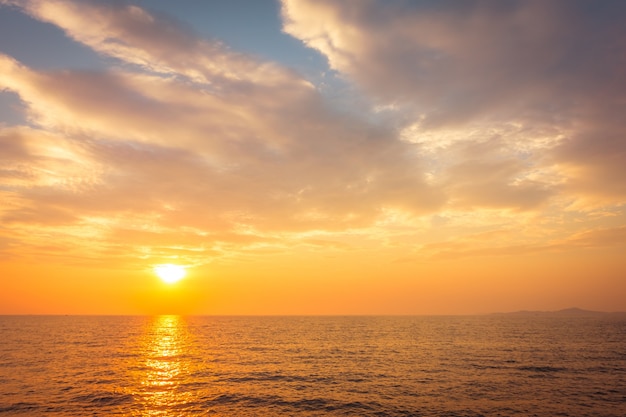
{"points": [[475, 163]]}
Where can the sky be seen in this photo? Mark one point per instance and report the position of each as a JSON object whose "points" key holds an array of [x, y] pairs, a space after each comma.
{"points": [[312, 156]]}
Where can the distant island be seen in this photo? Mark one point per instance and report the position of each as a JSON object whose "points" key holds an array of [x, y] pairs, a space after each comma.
{"points": [[568, 312]]}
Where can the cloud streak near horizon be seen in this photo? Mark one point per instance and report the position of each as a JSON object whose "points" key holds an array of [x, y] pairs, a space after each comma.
{"points": [[482, 119]]}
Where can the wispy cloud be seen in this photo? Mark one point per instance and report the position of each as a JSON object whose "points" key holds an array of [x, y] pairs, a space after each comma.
{"points": [[554, 70], [184, 147], [207, 139], [498, 243]]}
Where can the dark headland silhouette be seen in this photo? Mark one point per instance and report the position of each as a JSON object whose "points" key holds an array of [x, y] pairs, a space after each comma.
{"points": [[568, 312]]}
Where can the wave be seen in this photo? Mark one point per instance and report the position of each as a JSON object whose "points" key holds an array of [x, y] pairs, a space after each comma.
{"points": [[305, 404]]}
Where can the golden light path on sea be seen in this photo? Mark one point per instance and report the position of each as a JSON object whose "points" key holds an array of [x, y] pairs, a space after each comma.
{"points": [[165, 368]]}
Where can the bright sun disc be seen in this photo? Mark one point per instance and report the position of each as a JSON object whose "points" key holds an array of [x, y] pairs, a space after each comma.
{"points": [[170, 273]]}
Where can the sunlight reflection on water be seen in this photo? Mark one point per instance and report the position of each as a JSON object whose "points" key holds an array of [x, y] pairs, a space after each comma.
{"points": [[166, 365], [312, 366]]}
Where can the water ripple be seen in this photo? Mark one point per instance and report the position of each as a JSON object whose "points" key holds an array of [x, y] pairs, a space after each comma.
{"points": [[311, 366]]}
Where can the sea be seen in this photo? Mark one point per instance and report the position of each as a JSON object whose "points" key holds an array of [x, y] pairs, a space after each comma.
{"points": [[493, 365]]}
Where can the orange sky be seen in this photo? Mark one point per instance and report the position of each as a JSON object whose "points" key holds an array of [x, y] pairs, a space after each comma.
{"points": [[414, 160]]}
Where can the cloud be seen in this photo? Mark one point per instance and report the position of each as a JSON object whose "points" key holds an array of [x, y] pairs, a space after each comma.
{"points": [[183, 147], [555, 71], [497, 243], [154, 42], [593, 158], [455, 61], [327, 163], [206, 140]]}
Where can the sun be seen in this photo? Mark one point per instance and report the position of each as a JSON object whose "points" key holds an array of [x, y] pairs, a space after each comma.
{"points": [[170, 273]]}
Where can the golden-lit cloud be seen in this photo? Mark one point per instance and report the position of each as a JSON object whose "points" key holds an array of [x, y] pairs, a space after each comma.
{"points": [[213, 154], [480, 69], [486, 132], [498, 243]]}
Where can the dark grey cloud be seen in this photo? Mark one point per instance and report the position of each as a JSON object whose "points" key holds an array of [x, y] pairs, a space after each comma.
{"points": [[555, 66]]}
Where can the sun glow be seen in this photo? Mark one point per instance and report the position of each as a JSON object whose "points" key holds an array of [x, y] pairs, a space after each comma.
{"points": [[170, 273]]}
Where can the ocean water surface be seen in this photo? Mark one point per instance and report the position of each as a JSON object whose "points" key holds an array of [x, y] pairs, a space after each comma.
{"points": [[312, 366]]}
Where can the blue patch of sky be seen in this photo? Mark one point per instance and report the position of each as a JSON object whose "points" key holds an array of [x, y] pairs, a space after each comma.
{"points": [[42, 46], [249, 26], [11, 113], [255, 27]]}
